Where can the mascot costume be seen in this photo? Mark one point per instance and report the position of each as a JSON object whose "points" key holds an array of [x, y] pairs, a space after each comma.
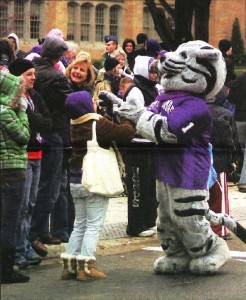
{"points": [[180, 124]]}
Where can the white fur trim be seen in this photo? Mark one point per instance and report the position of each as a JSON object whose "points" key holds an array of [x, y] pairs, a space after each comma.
{"points": [[67, 256], [85, 258]]}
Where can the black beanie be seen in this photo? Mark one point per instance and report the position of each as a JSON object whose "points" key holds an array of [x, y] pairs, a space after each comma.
{"points": [[224, 45], [110, 63], [20, 65]]}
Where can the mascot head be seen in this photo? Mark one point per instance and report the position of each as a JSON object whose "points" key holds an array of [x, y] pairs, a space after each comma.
{"points": [[195, 67]]}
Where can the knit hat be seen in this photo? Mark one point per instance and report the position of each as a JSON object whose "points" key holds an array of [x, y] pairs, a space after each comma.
{"points": [[153, 47], [224, 45], [78, 104], [20, 65], [109, 38], [55, 32], [10, 87], [110, 63], [53, 47]]}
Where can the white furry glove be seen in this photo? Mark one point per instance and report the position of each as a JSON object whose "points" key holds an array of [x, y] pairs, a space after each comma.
{"points": [[108, 96], [23, 104], [132, 110]]}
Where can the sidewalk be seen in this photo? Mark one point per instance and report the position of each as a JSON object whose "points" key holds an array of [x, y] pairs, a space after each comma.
{"points": [[116, 220]]}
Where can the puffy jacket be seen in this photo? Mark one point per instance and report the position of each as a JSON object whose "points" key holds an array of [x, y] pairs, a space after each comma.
{"points": [[14, 129], [53, 87]]}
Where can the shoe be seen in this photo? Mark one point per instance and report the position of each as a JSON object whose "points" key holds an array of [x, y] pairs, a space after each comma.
{"points": [[33, 261], [227, 237], [39, 248], [15, 277], [146, 233], [21, 264], [64, 239], [50, 240], [154, 228]]}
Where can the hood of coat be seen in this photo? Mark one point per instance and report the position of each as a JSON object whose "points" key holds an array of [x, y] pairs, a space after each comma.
{"points": [[14, 36], [142, 64], [11, 89]]}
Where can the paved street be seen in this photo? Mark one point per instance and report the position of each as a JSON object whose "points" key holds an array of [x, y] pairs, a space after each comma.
{"points": [[128, 264]]}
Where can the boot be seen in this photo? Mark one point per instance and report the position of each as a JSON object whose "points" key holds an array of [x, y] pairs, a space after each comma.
{"points": [[81, 275], [87, 268], [69, 270], [8, 275]]}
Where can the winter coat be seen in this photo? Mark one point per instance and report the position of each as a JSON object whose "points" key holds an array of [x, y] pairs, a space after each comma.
{"points": [[224, 138], [237, 96], [39, 120], [106, 130], [53, 87], [14, 129]]}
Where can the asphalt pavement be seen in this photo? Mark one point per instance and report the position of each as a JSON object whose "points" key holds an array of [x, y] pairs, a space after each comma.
{"points": [[128, 262]]}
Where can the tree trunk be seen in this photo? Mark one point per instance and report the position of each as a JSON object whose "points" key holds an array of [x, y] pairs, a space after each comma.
{"points": [[183, 17]]}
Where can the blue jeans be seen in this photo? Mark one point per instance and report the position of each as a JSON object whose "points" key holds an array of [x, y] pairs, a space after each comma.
{"points": [[23, 246], [90, 212], [11, 191], [242, 181], [49, 185], [59, 220]]}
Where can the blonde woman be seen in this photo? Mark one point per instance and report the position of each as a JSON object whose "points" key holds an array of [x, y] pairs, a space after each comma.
{"points": [[101, 86], [81, 75], [121, 56]]}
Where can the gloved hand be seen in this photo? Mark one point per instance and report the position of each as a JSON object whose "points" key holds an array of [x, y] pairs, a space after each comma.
{"points": [[131, 109], [109, 97], [23, 104]]}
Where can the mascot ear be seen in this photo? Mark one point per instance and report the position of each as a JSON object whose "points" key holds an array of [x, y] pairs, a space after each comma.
{"points": [[208, 53]]}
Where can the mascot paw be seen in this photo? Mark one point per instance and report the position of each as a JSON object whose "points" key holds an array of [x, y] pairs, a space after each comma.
{"points": [[213, 261], [172, 264]]}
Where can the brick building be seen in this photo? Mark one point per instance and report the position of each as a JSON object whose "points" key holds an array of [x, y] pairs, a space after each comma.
{"points": [[87, 21]]}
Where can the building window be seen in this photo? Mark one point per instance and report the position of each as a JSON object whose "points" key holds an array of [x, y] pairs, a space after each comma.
{"points": [[100, 17], [72, 22], [113, 20], [4, 19], [35, 20], [19, 18], [85, 22]]}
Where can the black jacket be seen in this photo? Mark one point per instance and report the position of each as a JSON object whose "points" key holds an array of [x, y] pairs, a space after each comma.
{"points": [[54, 87], [224, 138], [237, 96], [39, 120]]}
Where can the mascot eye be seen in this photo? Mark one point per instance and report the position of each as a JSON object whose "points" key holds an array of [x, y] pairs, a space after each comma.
{"points": [[183, 54]]}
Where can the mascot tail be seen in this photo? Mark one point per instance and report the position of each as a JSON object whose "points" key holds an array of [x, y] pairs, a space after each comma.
{"points": [[229, 222]]}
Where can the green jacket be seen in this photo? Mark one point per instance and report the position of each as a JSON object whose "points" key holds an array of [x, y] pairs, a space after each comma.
{"points": [[14, 127]]}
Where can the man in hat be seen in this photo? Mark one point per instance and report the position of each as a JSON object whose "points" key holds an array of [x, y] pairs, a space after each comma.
{"points": [[225, 47], [54, 87], [111, 44]]}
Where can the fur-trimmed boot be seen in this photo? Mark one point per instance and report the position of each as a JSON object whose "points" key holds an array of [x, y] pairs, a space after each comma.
{"points": [[69, 270], [87, 268]]}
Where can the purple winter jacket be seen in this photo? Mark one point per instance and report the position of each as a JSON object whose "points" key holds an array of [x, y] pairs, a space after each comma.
{"points": [[187, 163]]}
